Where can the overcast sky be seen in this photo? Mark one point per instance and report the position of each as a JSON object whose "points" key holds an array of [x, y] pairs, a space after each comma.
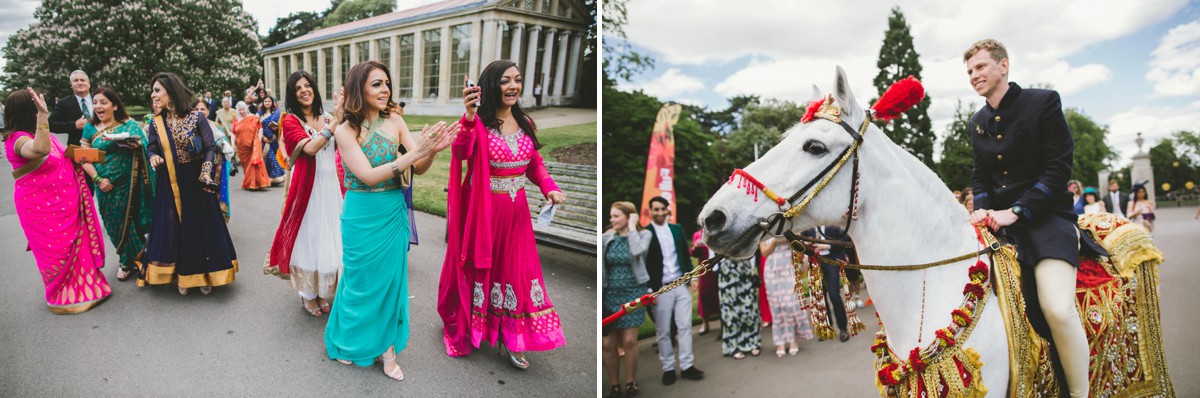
{"points": [[1133, 65]]}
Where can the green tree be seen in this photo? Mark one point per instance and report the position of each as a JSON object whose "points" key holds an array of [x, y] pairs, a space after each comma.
{"points": [[292, 26], [958, 157], [353, 10], [620, 60], [1092, 153], [773, 114], [1173, 160], [211, 44], [628, 121], [721, 121], [898, 59]]}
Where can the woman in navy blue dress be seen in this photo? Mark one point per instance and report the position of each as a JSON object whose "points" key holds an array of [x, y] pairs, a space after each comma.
{"points": [[188, 239]]}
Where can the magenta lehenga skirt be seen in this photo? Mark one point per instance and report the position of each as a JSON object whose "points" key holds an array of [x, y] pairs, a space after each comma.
{"points": [[510, 303]]}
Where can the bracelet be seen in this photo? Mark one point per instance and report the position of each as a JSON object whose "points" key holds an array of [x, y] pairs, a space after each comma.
{"points": [[97, 178], [327, 134], [395, 169], [43, 127]]}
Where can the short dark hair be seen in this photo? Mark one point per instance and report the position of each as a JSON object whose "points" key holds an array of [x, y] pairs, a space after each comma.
{"points": [[119, 113], [660, 199], [179, 94], [292, 103], [20, 113]]}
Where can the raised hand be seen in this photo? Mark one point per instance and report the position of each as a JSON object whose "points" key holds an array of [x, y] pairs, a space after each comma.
{"points": [[436, 138], [471, 95], [40, 101]]}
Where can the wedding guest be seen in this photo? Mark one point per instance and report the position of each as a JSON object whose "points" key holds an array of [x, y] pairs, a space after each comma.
{"points": [[125, 185], [188, 240], [55, 208]]}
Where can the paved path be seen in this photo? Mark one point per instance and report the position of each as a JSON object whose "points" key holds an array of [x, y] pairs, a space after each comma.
{"points": [[253, 339], [557, 117], [834, 369]]}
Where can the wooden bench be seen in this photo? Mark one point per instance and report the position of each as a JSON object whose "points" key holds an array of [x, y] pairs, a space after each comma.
{"points": [[574, 224]]}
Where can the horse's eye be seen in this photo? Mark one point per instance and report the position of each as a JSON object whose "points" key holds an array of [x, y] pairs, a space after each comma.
{"points": [[815, 148]]}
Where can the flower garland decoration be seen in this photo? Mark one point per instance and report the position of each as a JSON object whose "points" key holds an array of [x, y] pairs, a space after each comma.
{"points": [[944, 367]]}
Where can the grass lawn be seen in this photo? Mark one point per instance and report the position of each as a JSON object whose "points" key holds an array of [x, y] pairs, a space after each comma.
{"points": [[429, 193]]}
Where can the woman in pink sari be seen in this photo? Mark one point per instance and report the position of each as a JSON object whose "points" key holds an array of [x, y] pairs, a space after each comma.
{"points": [[55, 207], [490, 242]]}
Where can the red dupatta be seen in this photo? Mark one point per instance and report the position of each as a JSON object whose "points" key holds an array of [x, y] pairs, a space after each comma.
{"points": [[300, 184], [469, 238]]}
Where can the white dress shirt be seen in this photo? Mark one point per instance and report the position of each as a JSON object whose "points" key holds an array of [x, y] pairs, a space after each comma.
{"points": [[666, 241]]}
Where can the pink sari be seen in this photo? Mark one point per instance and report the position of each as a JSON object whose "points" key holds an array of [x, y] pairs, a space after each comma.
{"points": [[55, 207]]}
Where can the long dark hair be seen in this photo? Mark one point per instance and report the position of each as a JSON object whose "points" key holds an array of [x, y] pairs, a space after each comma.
{"points": [[178, 93], [20, 113], [292, 103], [119, 114], [1142, 188], [354, 104], [489, 82]]}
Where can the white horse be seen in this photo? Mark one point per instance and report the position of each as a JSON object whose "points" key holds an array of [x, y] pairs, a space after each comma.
{"points": [[906, 215]]}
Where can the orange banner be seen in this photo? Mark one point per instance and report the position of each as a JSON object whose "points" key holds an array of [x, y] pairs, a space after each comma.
{"points": [[660, 165]]}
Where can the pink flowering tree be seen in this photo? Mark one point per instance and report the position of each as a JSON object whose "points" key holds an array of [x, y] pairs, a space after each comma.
{"points": [[211, 44]]}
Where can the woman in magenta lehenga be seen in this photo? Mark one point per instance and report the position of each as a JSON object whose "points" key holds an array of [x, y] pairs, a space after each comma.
{"points": [[55, 207], [491, 286]]}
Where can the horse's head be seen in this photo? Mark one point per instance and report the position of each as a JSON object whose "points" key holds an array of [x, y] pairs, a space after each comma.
{"points": [[738, 216]]}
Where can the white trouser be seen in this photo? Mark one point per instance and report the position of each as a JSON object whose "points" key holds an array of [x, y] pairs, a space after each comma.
{"points": [[676, 305], [1056, 292]]}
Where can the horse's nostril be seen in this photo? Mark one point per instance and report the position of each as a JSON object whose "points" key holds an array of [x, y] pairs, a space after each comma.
{"points": [[715, 221]]}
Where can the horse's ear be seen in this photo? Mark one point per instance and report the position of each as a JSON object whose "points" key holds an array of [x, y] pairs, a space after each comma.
{"points": [[816, 93], [844, 96]]}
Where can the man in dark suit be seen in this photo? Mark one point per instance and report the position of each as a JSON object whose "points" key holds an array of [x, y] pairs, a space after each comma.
{"points": [[666, 260], [212, 105], [1023, 158], [72, 112], [1115, 201]]}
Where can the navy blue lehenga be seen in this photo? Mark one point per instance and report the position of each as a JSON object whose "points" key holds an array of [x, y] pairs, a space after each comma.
{"points": [[196, 250]]}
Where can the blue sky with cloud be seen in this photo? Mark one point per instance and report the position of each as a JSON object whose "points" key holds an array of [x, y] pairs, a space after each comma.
{"points": [[1134, 66]]}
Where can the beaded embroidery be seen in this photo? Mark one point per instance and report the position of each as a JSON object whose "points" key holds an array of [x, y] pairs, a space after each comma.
{"points": [[477, 300], [536, 294], [510, 185], [509, 165], [513, 140]]}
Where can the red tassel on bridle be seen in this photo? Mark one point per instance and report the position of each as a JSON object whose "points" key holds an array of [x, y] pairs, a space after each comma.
{"points": [[898, 98]]}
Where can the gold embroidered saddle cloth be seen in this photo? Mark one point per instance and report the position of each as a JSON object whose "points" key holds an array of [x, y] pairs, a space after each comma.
{"points": [[1117, 298]]}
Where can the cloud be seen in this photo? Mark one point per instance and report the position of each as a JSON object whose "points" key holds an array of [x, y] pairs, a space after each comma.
{"points": [[18, 14], [698, 31], [670, 84], [793, 45], [1175, 68], [1154, 122]]}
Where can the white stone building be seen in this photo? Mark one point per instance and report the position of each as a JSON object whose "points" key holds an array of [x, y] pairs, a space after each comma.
{"points": [[428, 49]]}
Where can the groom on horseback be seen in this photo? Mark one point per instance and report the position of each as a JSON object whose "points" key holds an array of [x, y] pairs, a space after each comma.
{"points": [[1023, 159]]}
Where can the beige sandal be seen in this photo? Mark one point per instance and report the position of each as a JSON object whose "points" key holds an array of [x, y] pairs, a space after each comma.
{"points": [[395, 373]]}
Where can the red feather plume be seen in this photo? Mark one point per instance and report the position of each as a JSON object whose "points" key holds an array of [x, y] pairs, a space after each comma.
{"points": [[812, 110], [898, 98]]}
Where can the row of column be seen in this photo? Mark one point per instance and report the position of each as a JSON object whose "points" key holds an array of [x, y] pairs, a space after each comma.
{"points": [[563, 82], [488, 46]]}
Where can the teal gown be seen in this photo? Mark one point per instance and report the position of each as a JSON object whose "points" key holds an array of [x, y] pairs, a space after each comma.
{"points": [[371, 311]]}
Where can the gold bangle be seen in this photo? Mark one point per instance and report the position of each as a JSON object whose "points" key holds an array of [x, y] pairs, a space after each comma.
{"points": [[43, 127], [395, 169]]}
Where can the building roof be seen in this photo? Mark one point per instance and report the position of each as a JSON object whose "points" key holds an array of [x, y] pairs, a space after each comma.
{"points": [[380, 21]]}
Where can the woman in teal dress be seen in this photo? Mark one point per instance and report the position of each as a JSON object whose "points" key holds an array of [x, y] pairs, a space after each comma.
{"points": [[126, 184], [624, 281], [369, 319]]}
